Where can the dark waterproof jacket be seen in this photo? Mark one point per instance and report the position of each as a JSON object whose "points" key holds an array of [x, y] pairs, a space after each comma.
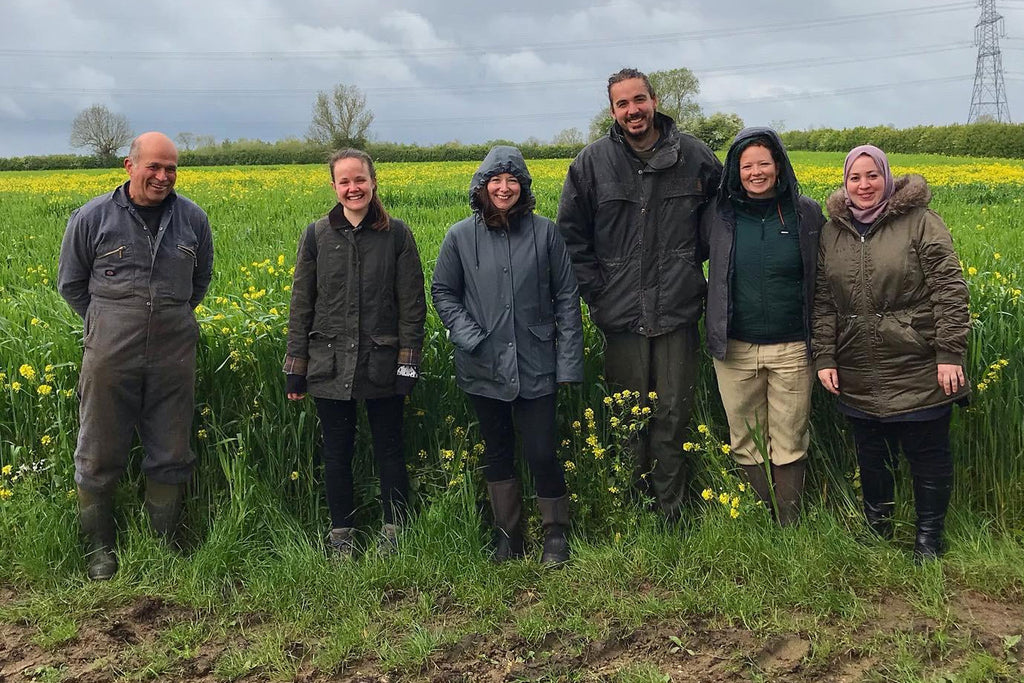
{"points": [[632, 229], [891, 305], [357, 308], [718, 229], [508, 297], [109, 253]]}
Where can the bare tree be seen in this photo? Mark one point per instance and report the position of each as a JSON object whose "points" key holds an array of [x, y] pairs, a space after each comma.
{"points": [[100, 130], [569, 136], [189, 142], [340, 117]]}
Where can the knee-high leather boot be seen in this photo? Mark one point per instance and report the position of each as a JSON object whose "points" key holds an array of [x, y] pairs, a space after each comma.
{"points": [[931, 499]]}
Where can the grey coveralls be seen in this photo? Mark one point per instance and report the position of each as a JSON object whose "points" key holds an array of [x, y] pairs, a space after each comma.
{"points": [[136, 292]]}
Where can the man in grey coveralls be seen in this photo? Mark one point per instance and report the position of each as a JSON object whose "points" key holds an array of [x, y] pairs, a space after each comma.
{"points": [[134, 264]]}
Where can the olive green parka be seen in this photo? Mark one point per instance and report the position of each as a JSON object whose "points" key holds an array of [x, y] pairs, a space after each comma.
{"points": [[890, 305]]}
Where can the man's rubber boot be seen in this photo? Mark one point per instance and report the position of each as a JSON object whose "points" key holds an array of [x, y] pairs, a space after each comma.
{"points": [[164, 504], [96, 516]]}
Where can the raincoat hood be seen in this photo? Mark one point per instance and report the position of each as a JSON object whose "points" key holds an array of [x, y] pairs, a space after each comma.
{"points": [[502, 159], [730, 189]]}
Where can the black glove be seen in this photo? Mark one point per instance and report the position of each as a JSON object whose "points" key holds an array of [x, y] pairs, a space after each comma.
{"points": [[406, 379], [294, 384]]}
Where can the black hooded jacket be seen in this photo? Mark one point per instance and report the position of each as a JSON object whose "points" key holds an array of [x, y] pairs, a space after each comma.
{"points": [[632, 229], [718, 232]]}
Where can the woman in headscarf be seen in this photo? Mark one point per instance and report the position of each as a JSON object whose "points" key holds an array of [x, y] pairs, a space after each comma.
{"points": [[762, 236], [503, 286], [890, 334], [355, 331]]}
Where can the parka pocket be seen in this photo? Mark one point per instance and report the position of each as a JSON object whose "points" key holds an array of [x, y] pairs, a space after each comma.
{"points": [[322, 364], [900, 335], [383, 363]]}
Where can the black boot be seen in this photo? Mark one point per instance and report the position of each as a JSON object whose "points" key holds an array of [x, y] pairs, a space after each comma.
{"points": [[788, 482], [757, 479], [931, 498], [879, 493], [554, 515], [164, 505], [96, 515], [507, 507]]}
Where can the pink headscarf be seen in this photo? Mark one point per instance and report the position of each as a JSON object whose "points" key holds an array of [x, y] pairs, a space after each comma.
{"points": [[870, 214]]}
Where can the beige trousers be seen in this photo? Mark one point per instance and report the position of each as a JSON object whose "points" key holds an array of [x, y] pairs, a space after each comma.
{"points": [[766, 391]]}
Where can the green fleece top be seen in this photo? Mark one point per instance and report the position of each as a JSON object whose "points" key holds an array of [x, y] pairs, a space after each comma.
{"points": [[767, 277]]}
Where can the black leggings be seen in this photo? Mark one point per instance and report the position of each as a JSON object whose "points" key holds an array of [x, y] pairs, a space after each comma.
{"points": [[534, 419], [925, 444], [338, 421]]}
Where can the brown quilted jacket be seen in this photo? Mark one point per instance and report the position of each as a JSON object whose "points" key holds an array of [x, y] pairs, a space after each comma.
{"points": [[891, 305]]}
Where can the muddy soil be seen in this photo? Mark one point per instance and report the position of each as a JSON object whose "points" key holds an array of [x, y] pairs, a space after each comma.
{"points": [[138, 642]]}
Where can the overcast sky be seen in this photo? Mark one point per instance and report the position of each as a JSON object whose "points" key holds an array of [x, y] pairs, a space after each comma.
{"points": [[474, 71]]}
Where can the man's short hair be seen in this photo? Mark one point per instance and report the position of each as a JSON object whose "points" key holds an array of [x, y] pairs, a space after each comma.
{"points": [[626, 74]]}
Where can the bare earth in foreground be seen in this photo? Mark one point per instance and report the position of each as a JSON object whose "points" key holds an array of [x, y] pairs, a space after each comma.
{"points": [[134, 643]]}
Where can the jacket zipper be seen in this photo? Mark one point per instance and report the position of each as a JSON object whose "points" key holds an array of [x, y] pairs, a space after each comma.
{"points": [[119, 251], [191, 253]]}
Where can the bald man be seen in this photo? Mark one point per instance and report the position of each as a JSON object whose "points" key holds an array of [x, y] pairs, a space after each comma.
{"points": [[134, 264]]}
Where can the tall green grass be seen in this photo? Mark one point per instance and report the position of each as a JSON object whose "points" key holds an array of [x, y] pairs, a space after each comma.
{"points": [[257, 482]]}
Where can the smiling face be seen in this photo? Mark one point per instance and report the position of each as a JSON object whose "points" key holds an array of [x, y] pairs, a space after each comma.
{"points": [[354, 185], [758, 172], [503, 190], [152, 167], [865, 183], [633, 109]]}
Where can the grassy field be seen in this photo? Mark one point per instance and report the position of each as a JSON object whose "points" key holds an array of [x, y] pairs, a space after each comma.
{"points": [[727, 593]]}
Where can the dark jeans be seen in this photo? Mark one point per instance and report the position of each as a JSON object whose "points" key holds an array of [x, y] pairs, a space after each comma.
{"points": [[925, 444], [338, 421], [666, 364], [534, 419]]}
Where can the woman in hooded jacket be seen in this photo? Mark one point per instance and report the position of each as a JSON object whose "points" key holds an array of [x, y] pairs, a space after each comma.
{"points": [[762, 237], [890, 333], [504, 287]]}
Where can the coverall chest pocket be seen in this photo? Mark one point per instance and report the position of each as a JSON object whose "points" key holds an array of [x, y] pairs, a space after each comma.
{"points": [[112, 273], [175, 267]]}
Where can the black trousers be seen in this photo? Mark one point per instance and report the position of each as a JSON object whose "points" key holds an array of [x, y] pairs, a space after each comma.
{"points": [[925, 445], [534, 419], [338, 421]]}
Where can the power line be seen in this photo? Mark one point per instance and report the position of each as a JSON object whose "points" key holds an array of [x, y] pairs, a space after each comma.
{"points": [[703, 34], [587, 83]]}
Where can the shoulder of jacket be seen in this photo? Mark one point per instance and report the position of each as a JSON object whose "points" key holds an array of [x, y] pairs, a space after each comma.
{"points": [[188, 205]]}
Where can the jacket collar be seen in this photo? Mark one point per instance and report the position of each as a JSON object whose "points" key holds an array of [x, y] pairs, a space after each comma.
{"points": [[667, 149], [911, 193]]}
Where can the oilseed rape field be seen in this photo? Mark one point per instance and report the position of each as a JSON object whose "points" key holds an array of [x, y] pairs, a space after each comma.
{"points": [[255, 597], [248, 437]]}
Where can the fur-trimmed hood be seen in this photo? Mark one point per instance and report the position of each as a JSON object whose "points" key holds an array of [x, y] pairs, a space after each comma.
{"points": [[911, 193]]}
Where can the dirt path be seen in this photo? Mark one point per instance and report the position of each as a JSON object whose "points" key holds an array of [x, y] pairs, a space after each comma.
{"points": [[150, 639]]}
